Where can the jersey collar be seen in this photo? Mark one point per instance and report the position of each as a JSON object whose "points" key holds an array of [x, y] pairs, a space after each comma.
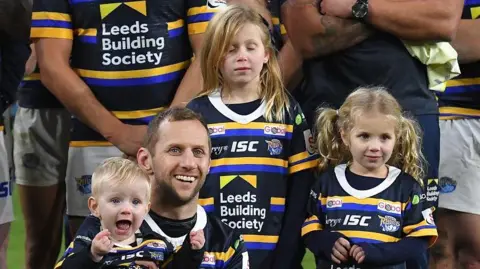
{"points": [[216, 100], [393, 173]]}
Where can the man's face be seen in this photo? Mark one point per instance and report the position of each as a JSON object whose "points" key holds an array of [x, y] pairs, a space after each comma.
{"points": [[181, 160]]}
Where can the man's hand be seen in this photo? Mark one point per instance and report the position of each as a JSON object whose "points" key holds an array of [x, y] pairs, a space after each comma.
{"points": [[340, 251], [129, 138], [101, 245], [31, 62], [197, 239], [337, 8]]}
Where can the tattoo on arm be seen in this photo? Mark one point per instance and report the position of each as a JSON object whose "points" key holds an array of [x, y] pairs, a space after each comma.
{"points": [[339, 34]]}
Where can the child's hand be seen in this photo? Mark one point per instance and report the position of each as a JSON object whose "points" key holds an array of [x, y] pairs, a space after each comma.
{"points": [[101, 245], [340, 250], [357, 253], [197, 239]]}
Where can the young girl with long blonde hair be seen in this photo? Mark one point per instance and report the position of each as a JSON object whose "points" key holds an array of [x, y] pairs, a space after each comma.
{"points": [[262, 151], [366, 205]]}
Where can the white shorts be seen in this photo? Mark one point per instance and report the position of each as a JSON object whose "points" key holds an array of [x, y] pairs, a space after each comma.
{"points": [[82, 161], [40, 148], [459, 173], [6, 209]]}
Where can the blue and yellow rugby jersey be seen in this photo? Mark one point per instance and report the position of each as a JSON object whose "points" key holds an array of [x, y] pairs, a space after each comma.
{"points": [[386, 213], [461, 98], [132, 54], [253, 163], [148, 246], [224, 248]]}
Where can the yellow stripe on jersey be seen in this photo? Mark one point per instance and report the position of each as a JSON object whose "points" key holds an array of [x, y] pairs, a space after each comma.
{"points": [[457, 111], [206, 201], [86, 32], [311, 224], [51, 33], [175, 24], [32, 76], [222, 256], [365, 201], [204, 13], [260, 238], [1, 128], [249, 160], [370, 235], [252, 125], [283, 30], [137, 114], [143, 73], [277, 201], [51, 25], [55, 16], [303, 166], [83, 144], [463, 82]]}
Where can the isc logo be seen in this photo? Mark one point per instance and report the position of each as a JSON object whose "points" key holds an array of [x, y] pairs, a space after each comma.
{"points": [[242, 146], [133, 255], [5, 189], [356, 220]]}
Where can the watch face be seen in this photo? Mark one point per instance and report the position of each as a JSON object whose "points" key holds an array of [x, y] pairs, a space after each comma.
{"points": [[360, 10]]}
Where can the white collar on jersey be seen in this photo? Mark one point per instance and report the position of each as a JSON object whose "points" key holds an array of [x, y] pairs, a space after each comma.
{"points": [[216, 100], [178, 241], [393, 173]]}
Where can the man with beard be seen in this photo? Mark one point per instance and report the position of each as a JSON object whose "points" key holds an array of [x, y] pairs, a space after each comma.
{"points": [[178, 163]]}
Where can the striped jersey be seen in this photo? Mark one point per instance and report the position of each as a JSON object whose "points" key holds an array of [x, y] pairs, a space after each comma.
{"points": [[223, 247], [386, 213], [461, 98], [253, 161], [132, 54]]}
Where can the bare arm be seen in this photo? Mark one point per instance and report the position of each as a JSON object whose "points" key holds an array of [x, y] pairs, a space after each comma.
{"points": [[317, 35], [56, 74], [290, 64], [467, 41], [416, 20], [192, 82]]}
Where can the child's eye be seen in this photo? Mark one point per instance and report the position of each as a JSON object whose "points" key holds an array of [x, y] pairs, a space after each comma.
{"points": [[115, 200], [136, 201], [364, 136], [386, 137]]}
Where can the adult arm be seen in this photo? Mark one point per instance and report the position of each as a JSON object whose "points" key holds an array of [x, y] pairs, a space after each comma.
{"points": [[318, 35], [53, 56]]}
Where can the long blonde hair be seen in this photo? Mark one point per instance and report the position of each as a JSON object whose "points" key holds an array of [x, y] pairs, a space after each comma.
{"points": [[407, 154], [220, 31]]}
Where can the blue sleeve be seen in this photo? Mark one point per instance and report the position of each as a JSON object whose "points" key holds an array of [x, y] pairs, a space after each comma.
{"points": [[381, 254]]}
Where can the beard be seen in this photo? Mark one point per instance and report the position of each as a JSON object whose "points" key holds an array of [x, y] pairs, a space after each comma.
{"points": [[168, 195]]}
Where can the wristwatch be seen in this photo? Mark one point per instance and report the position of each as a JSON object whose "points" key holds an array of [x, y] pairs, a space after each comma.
{"points": [[360, 9]]}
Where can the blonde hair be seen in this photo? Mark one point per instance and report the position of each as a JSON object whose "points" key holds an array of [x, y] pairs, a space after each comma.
{"points": [[407, 154], [220, 31], [117, 171]]}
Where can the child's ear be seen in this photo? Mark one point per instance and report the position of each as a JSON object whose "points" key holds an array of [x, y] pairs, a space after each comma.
{"points": [[148, 207], [93, 206]]}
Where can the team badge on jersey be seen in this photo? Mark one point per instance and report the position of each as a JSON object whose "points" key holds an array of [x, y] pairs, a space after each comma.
{"points": [[428, 216], [84, 184], [389, 224], [274, 146], [216, 3]]}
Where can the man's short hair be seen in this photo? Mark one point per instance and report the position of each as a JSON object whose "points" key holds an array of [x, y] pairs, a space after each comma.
{"points": [[171, 115], [117, 171]]}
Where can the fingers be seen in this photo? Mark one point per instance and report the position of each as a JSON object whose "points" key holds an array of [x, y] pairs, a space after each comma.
{"points": [[104, 233], [357, 253], [340, 255], [197, 239], [344, 242], [335, 260]]}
